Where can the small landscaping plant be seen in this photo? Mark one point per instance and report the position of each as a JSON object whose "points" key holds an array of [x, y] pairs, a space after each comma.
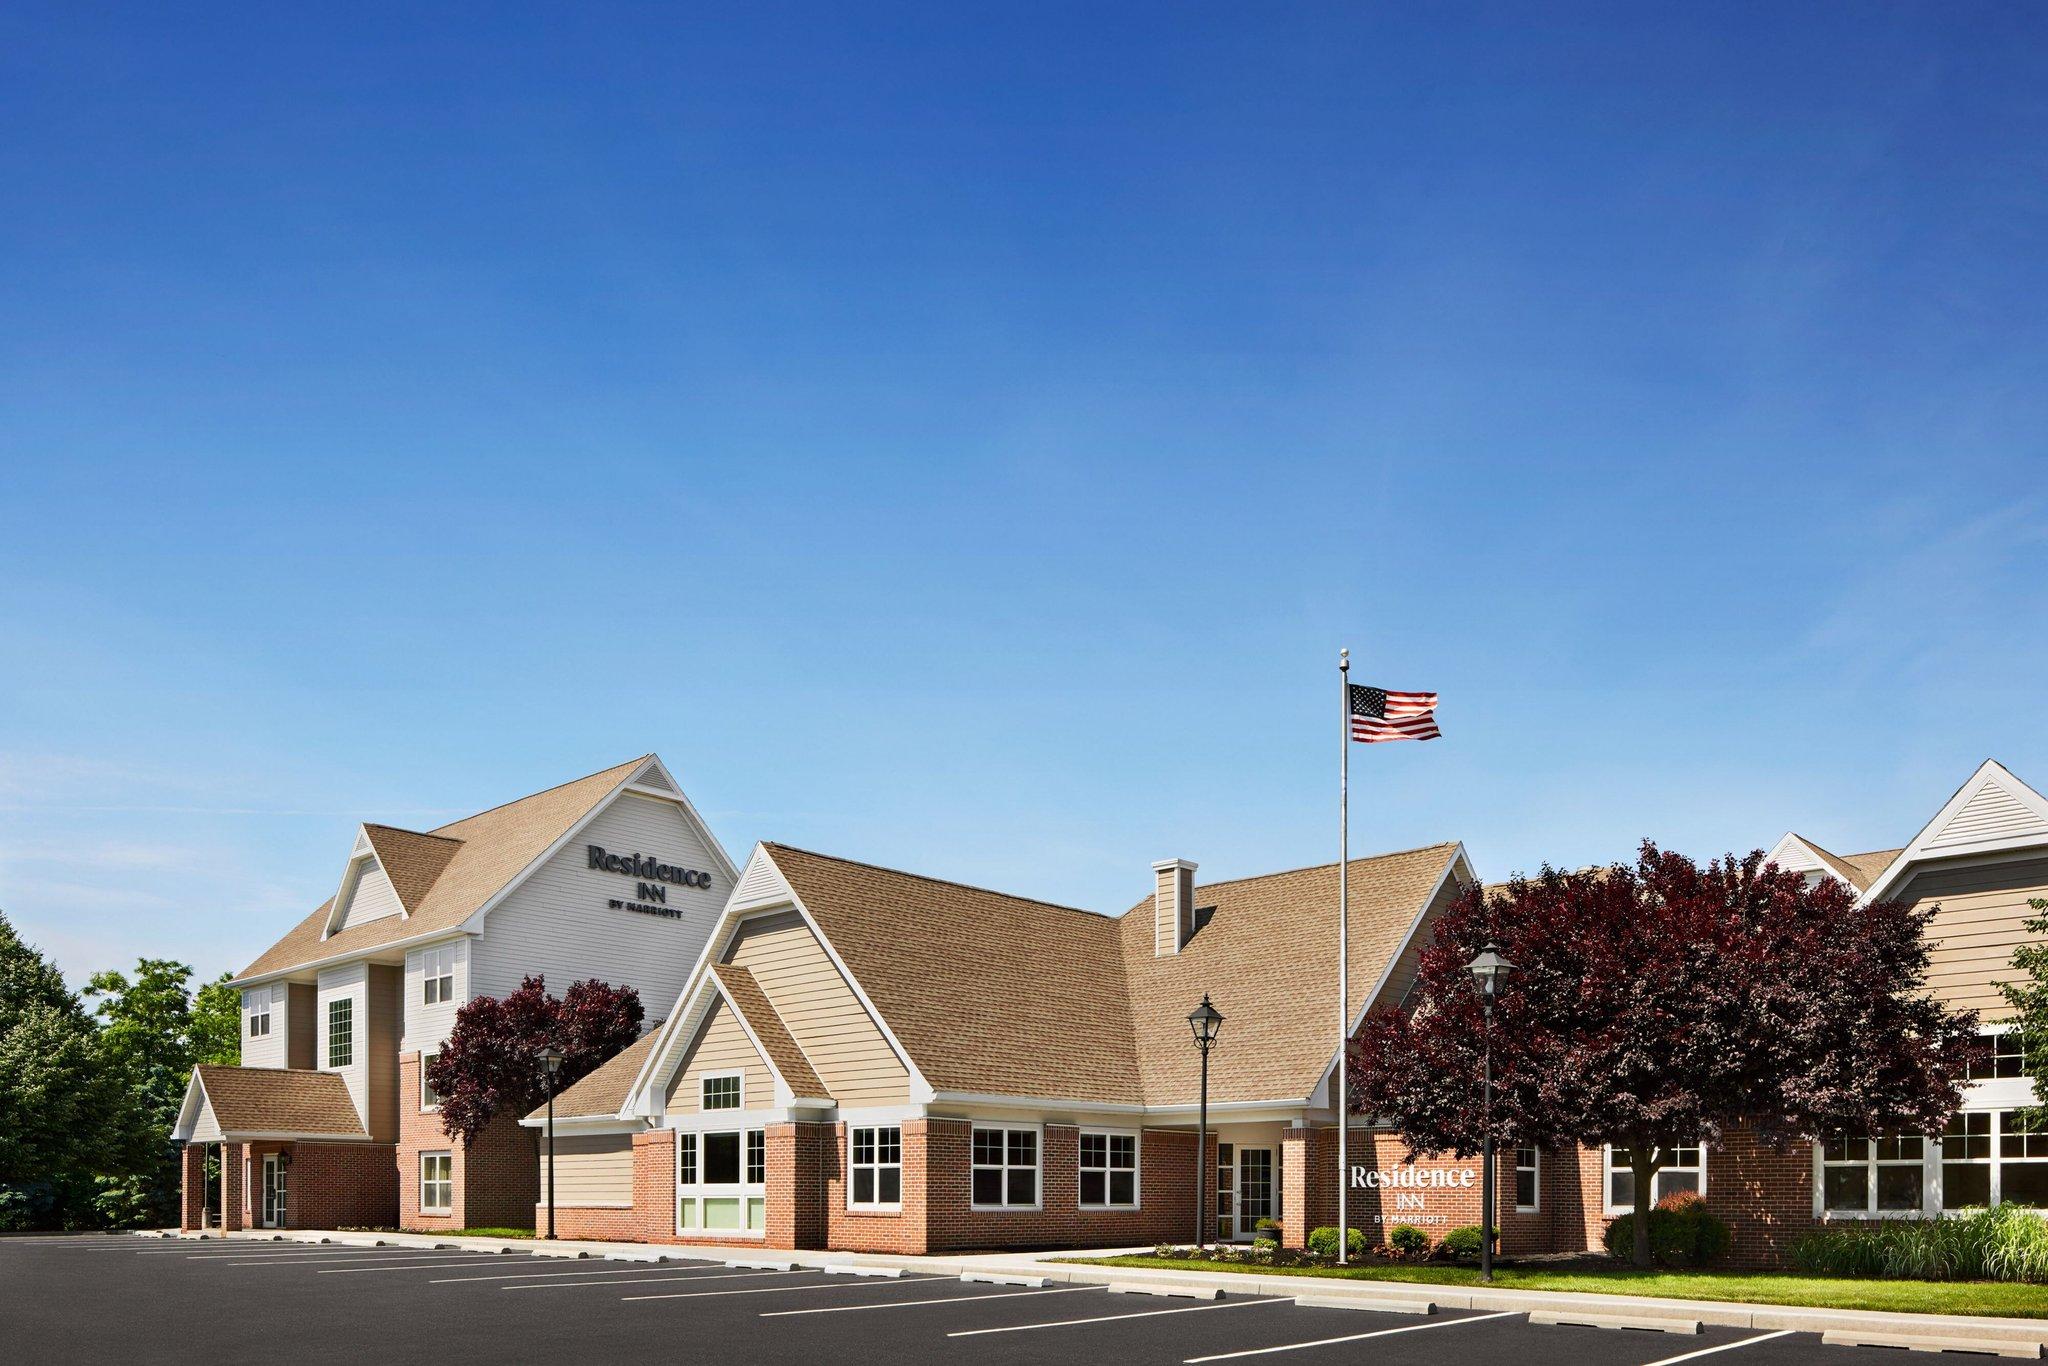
{"points": [[2005, 1243], [1407, 1240], [1683, 1232], [1323, 1243], [1462, 1244]]}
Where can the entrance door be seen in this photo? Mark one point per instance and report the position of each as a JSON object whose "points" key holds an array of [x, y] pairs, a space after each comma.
{"points": [[273, 1190], [1254, 1189]]}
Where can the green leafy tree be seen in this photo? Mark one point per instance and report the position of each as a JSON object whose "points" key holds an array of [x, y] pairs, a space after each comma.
{"points": [[56, 1090], [2028, 998], [150, 1037], [217, 1024]]}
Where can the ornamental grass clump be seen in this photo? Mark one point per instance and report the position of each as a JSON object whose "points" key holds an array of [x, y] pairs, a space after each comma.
{"points": [[2005, 1243]]}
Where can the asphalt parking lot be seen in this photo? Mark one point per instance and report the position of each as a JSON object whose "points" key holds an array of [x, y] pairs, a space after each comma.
{"points": [[108, 1298]]}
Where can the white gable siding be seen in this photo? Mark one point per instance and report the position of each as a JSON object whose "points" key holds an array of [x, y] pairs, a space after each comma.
{"points": [[559, 922], [371, 898], [266, 1050], [1992, 814], [760, 880], [350, 980], [206, 1126], [427, 1026]]}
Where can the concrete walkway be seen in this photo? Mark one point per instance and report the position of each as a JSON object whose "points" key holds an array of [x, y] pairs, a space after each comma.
{"points": [[1049, 1267]]}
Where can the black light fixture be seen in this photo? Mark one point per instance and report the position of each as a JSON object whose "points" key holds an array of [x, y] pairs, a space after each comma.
{"points": [[1489, 970], [552, 1060], [1207, 1022]]}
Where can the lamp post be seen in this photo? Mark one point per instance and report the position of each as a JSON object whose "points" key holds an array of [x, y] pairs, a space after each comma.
{"points": [[552, 1060], [1488, 970], [1205, 1020]]}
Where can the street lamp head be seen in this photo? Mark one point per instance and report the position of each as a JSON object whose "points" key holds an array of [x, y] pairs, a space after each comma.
{"points": [[1205, 1020], [552, 1059], [1489, 970]]}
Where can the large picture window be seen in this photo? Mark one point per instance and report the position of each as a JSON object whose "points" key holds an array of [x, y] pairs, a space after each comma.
{"points": [[721, 1182], [1685, 1169], [1005, 1174], [876, 1167], [1109, 1170], [1869, 1175], [341, 1023], [437, 1182]]}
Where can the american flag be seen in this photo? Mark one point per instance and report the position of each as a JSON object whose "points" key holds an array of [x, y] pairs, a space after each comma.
{"points": [[1377, 714]]}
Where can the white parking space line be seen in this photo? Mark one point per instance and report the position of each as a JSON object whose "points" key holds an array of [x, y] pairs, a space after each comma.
{"points": [[417, 1264], [301, 1258], [1113, 1318], [1724, 1347], [1353, 1337], [765, 1290], [909, 1304], [722, 1275], [662, 1280], [296, 1254]]}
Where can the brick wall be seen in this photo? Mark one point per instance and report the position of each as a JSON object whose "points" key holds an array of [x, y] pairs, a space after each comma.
{"points": [[341, 1185], [495, 1179], [1166, 1195], [233, 1197], [192, 1188]]}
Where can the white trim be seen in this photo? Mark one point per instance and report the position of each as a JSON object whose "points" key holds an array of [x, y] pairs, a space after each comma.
{"points": [[1813, 861], [380, 954], [587, 1124], [1925, 846], [1930, 1182], [1108, 1206], [704, 1081], [427, 1154], [744, 1190], [1515, 1156], [425, 1108], [724, 1119], [1007, 1127], [1607, 1170]]}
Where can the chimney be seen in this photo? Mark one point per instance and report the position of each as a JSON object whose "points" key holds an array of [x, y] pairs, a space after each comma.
{"points": [[1173, 905]]}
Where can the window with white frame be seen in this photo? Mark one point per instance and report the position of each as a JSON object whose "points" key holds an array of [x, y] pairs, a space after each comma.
{"points": [[437, 1183], [1109, 1170], [2001, 1057], [1873, 1175], [1005, 1168], [437, 975], [1684, 1169], [341, 1024], [430, 1099], [259, 1013], [875, 1166], [1527, 1167], [721, 1182], [720, 1092]]}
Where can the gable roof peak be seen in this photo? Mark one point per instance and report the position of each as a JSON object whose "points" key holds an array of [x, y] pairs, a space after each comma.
{"points": [[773, 847]]}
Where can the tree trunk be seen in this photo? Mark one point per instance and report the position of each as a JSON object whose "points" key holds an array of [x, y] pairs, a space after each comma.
{"points": [[1642, 1161]]}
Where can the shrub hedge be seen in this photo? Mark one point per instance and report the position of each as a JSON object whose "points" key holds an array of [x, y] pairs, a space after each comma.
{"points": [[2004, 1243], [1683, 1232], [1323, 1243]]}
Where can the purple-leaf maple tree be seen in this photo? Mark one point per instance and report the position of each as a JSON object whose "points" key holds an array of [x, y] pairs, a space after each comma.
{"points": [[1662, 1005], [491, 1063]]}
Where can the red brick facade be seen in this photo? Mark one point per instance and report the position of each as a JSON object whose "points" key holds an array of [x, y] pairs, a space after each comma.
{"points": [[496, 1178]]}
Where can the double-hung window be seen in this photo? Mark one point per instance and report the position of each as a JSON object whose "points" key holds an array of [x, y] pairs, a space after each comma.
{"points": [[341, 1023], [437, 1182], [1528, 1164], [437, 975], [430, 1099], [259, 1013], [876, 1166], [1109, 1170], [1873, 1175], [1684, 1169], [1005, 1168]]}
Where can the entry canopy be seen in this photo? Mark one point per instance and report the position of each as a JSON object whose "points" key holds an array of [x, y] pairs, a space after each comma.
{"points": [[236, 1103]]}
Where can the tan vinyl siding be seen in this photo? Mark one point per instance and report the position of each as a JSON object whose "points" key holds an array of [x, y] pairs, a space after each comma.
{"points": [[826, 1019], [1409, 965], [1980, 921], [380, 1039], [303, 997], [722, 1046], [591, 1169]]}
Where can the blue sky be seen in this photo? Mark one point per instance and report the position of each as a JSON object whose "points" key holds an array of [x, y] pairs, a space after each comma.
{"points": [[960, 437]]}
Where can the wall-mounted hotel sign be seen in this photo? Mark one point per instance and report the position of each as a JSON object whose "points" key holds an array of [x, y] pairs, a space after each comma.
{"points": [[1409, 1187], [652, 879]]}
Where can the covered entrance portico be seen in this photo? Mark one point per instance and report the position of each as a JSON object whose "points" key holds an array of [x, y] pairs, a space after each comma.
{"points": [[275, 1147]]}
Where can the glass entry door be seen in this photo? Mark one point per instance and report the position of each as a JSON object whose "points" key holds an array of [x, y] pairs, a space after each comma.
{"points": [[273, 1190], [1254, 1189]]}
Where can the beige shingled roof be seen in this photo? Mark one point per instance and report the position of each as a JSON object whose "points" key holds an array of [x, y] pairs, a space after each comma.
{"points": [[999, 995], [767, 1026], [280, 1100], [603, 1091], [444, 876], [1865, 869]]}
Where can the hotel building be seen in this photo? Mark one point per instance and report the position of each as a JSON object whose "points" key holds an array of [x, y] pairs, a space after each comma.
{"points": [[859, 1058]]}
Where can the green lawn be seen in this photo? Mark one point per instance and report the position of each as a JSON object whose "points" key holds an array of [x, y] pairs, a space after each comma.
{"points": [[481, 1232], [1910, 1297]]}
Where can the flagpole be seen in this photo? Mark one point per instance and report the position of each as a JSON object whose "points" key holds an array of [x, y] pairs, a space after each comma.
{"points": [[1340, 1085]]}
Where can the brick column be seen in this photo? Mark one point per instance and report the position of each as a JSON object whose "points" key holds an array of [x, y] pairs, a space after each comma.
{"points": [[232, 1194], [192, 1188], [1299, 1180], [654, 1185]]}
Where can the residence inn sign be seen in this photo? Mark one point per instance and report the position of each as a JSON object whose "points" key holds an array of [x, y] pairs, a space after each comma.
{"points": [[653, 879]]}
